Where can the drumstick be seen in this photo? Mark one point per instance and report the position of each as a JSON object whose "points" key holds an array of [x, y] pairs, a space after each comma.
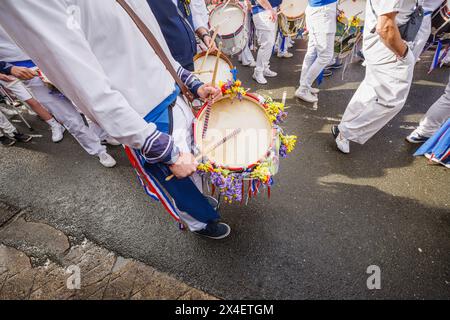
{"points": [[201, 72], [216, 31], [216, 67], [214, 147]]}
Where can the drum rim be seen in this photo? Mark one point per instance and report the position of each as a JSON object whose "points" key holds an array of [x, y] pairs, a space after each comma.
{"points": [[255, 99], [229, 35], [292, 18], [222, 56]]}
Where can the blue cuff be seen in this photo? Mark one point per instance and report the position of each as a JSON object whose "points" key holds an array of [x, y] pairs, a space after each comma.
{"points": [[158, 148]]}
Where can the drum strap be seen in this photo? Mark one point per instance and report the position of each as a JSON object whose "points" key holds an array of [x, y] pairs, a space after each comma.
{"points": [[157, 48]]}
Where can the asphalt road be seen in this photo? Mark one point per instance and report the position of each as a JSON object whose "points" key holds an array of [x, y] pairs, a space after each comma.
{"points": [[329, 218]]}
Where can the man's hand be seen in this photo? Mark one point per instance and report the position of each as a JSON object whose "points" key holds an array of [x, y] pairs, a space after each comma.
{"points": [[23, 73], [208, 91], [6, 78], [273, 15], [210, 44], [185, 166]]}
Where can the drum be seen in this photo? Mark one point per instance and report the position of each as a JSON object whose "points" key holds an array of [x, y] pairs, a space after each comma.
{"points": [[206, 75], [350, 21], [441, 20], [291, 17], [255, 142], [349, 10], [230, 19]]}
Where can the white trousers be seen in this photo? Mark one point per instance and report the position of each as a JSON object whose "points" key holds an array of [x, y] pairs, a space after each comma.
{"points": [[266, 32], [436, 116], [321, 23], [64, 111], [422, 37], [379, 98], [6, 127], [183, 136], [247, 55], [19, 90]]}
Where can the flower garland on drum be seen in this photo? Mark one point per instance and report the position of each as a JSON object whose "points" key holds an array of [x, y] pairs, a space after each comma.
{"points": [[231, 185]]}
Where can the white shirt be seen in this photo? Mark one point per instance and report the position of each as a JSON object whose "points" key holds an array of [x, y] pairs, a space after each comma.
{"points": [[430, 5], [375, 51], [200, 15], [9, 51], [104, 64]]}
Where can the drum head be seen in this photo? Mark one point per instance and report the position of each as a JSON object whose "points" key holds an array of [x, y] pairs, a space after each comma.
{"points": [[249, 146], [229, 18], [294, 9], [223, 71], [352, 8]]}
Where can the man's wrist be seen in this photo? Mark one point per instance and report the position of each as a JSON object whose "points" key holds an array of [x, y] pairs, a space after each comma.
{"points": [[174, 156], [404, 54]]}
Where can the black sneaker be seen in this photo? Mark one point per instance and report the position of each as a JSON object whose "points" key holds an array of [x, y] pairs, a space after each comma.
{"points": [[335, 66], [22, 137], [7, 142], [327, 73], [335, 131], [215, 230]]}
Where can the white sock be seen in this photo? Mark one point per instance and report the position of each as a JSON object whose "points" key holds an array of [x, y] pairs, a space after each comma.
{"points": [[52, 122]]}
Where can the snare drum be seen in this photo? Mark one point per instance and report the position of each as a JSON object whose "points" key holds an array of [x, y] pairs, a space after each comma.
{"points": [[206, 75], [254, 144], [291, 19], [230, 19]]}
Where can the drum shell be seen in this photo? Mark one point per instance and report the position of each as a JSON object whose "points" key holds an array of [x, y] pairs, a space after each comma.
{"points": [[232, 43]]}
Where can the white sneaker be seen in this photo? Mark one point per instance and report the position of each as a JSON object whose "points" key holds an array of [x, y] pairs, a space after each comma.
{"points": [[270, 74], [285, 55], [314, 90], [251, 64], [111, 141], [306, 95], [106, 160], [7, 112], [343, 144], [57, 133], [259, 77]]}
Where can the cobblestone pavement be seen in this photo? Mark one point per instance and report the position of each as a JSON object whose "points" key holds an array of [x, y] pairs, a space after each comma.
{"points": [[38, 262]]}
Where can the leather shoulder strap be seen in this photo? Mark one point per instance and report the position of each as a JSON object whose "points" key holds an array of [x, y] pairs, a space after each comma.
{"points": [[156, 47]]}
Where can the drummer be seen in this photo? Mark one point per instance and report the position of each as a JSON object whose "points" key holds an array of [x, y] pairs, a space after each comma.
{"points": [[321, 23], [125, 107], [429, 6], [178, 19], [265, 19]]}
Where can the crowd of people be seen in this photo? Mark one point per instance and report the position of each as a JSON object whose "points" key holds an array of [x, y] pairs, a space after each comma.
{"points": [[124, 72]]}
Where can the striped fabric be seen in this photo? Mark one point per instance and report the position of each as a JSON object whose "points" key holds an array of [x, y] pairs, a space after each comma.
{"points": [[157, 147], [151, 186], [189, 79]]}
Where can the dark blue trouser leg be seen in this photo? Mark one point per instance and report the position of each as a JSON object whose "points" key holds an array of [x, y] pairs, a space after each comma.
{"points": [[186, 195]]}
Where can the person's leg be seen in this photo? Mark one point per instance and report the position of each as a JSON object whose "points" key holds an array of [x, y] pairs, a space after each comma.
{"points": [[436, 115], [266, 39], [24, 95], [9, 134], [324, 47], [310, 57], [65, 112], [6, 126], [379, 98], [422, 37]]}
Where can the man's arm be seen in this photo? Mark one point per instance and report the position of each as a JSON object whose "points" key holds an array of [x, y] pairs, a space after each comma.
{"points": [[64, 54], [390, 35]]}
